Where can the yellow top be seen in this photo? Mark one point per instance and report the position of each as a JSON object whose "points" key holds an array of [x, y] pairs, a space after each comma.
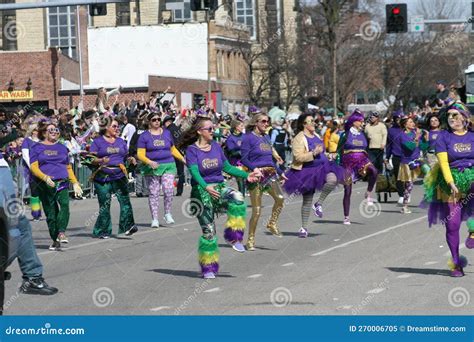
{"points": [[35, 170], [333, 142], [444, 165], [326, 138], [141, 154]]}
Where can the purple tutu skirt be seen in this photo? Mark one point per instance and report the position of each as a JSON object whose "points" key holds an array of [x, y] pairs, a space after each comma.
{"points": [[441, 212], [310, 179], [355, 165]]}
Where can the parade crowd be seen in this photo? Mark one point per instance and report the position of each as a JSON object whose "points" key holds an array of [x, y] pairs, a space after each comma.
{"points": [[160, 148]]}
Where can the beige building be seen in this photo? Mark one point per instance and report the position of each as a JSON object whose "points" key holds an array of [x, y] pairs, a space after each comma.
{"points": [[266, 20]]}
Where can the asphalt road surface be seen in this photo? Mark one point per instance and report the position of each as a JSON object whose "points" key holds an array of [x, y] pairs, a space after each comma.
{"points": [[385, 263]]}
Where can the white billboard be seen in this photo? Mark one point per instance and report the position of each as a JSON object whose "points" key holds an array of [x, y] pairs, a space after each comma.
{"points": [[127, 55]]}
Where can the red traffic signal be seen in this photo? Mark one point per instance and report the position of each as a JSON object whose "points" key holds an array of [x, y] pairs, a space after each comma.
{"points": [[397, 18]]}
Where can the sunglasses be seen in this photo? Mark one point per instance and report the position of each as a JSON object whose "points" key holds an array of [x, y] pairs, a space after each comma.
{"points": [[264, 121], [209, 129], [114, 126], [53, 130], [155, 119]]}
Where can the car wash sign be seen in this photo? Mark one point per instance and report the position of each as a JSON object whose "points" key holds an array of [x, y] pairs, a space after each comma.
{"points": [[16, 95]]}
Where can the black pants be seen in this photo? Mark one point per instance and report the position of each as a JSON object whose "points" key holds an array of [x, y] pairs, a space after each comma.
{"points": [[396, 168], [376, 157], [280, 148], [181, 177]]}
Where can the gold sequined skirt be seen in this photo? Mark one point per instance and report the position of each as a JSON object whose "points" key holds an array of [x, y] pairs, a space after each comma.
{"points": [[405, 174]]}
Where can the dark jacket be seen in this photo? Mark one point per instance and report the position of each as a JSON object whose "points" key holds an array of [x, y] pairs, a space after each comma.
{"points": [[3, 255]]}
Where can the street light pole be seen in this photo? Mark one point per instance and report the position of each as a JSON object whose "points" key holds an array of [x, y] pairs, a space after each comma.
{"points": [[209, 90], [79, 52]]}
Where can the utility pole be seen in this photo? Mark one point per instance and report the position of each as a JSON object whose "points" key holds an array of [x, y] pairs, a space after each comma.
{"points": [[79, 52]]}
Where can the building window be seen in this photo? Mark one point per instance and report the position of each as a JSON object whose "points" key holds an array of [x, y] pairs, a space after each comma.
{"points": [[8, 33], [122, 11], [245, 14], [62, 29], [229, 65], [181, 9]]}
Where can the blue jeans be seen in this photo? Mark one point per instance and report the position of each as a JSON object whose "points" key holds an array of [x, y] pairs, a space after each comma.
{"points": [[23, 246]]}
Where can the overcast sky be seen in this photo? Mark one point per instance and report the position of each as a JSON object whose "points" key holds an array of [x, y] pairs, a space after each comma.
{"points": [[459, 8]]}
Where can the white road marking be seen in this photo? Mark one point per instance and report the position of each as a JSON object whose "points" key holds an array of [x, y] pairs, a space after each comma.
{"points": [[369, 236], [215, 289], [288, 264], [431, 263], [337, 240], [404, 276], [108, 240], [344, 307], [140, 232], [253, 276], [375, 291], [160, 308]]}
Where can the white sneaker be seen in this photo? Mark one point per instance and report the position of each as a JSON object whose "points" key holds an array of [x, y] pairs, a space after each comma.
{"points": [[169, 219], [155, 224], [400, 202]]}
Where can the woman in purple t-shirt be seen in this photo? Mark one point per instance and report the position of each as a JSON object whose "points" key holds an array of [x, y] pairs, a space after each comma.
{"points": [[110, 178], [410, 164], [31, 139], [210, 195], [430, 138], [49, 162], [257, 152], [352, 152], [155, 148], [449, 187], [233, 146]]}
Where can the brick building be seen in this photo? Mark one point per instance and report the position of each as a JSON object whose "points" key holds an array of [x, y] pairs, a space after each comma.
{"points": [[39, 51]]}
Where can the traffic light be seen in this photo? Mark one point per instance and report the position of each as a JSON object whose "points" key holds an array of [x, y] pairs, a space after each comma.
{"points": [[397, 19], [97, 10], [201, 5]]}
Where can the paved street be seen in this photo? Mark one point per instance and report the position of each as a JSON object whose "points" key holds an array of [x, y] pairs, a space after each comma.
{"points": [[384, 263]]}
